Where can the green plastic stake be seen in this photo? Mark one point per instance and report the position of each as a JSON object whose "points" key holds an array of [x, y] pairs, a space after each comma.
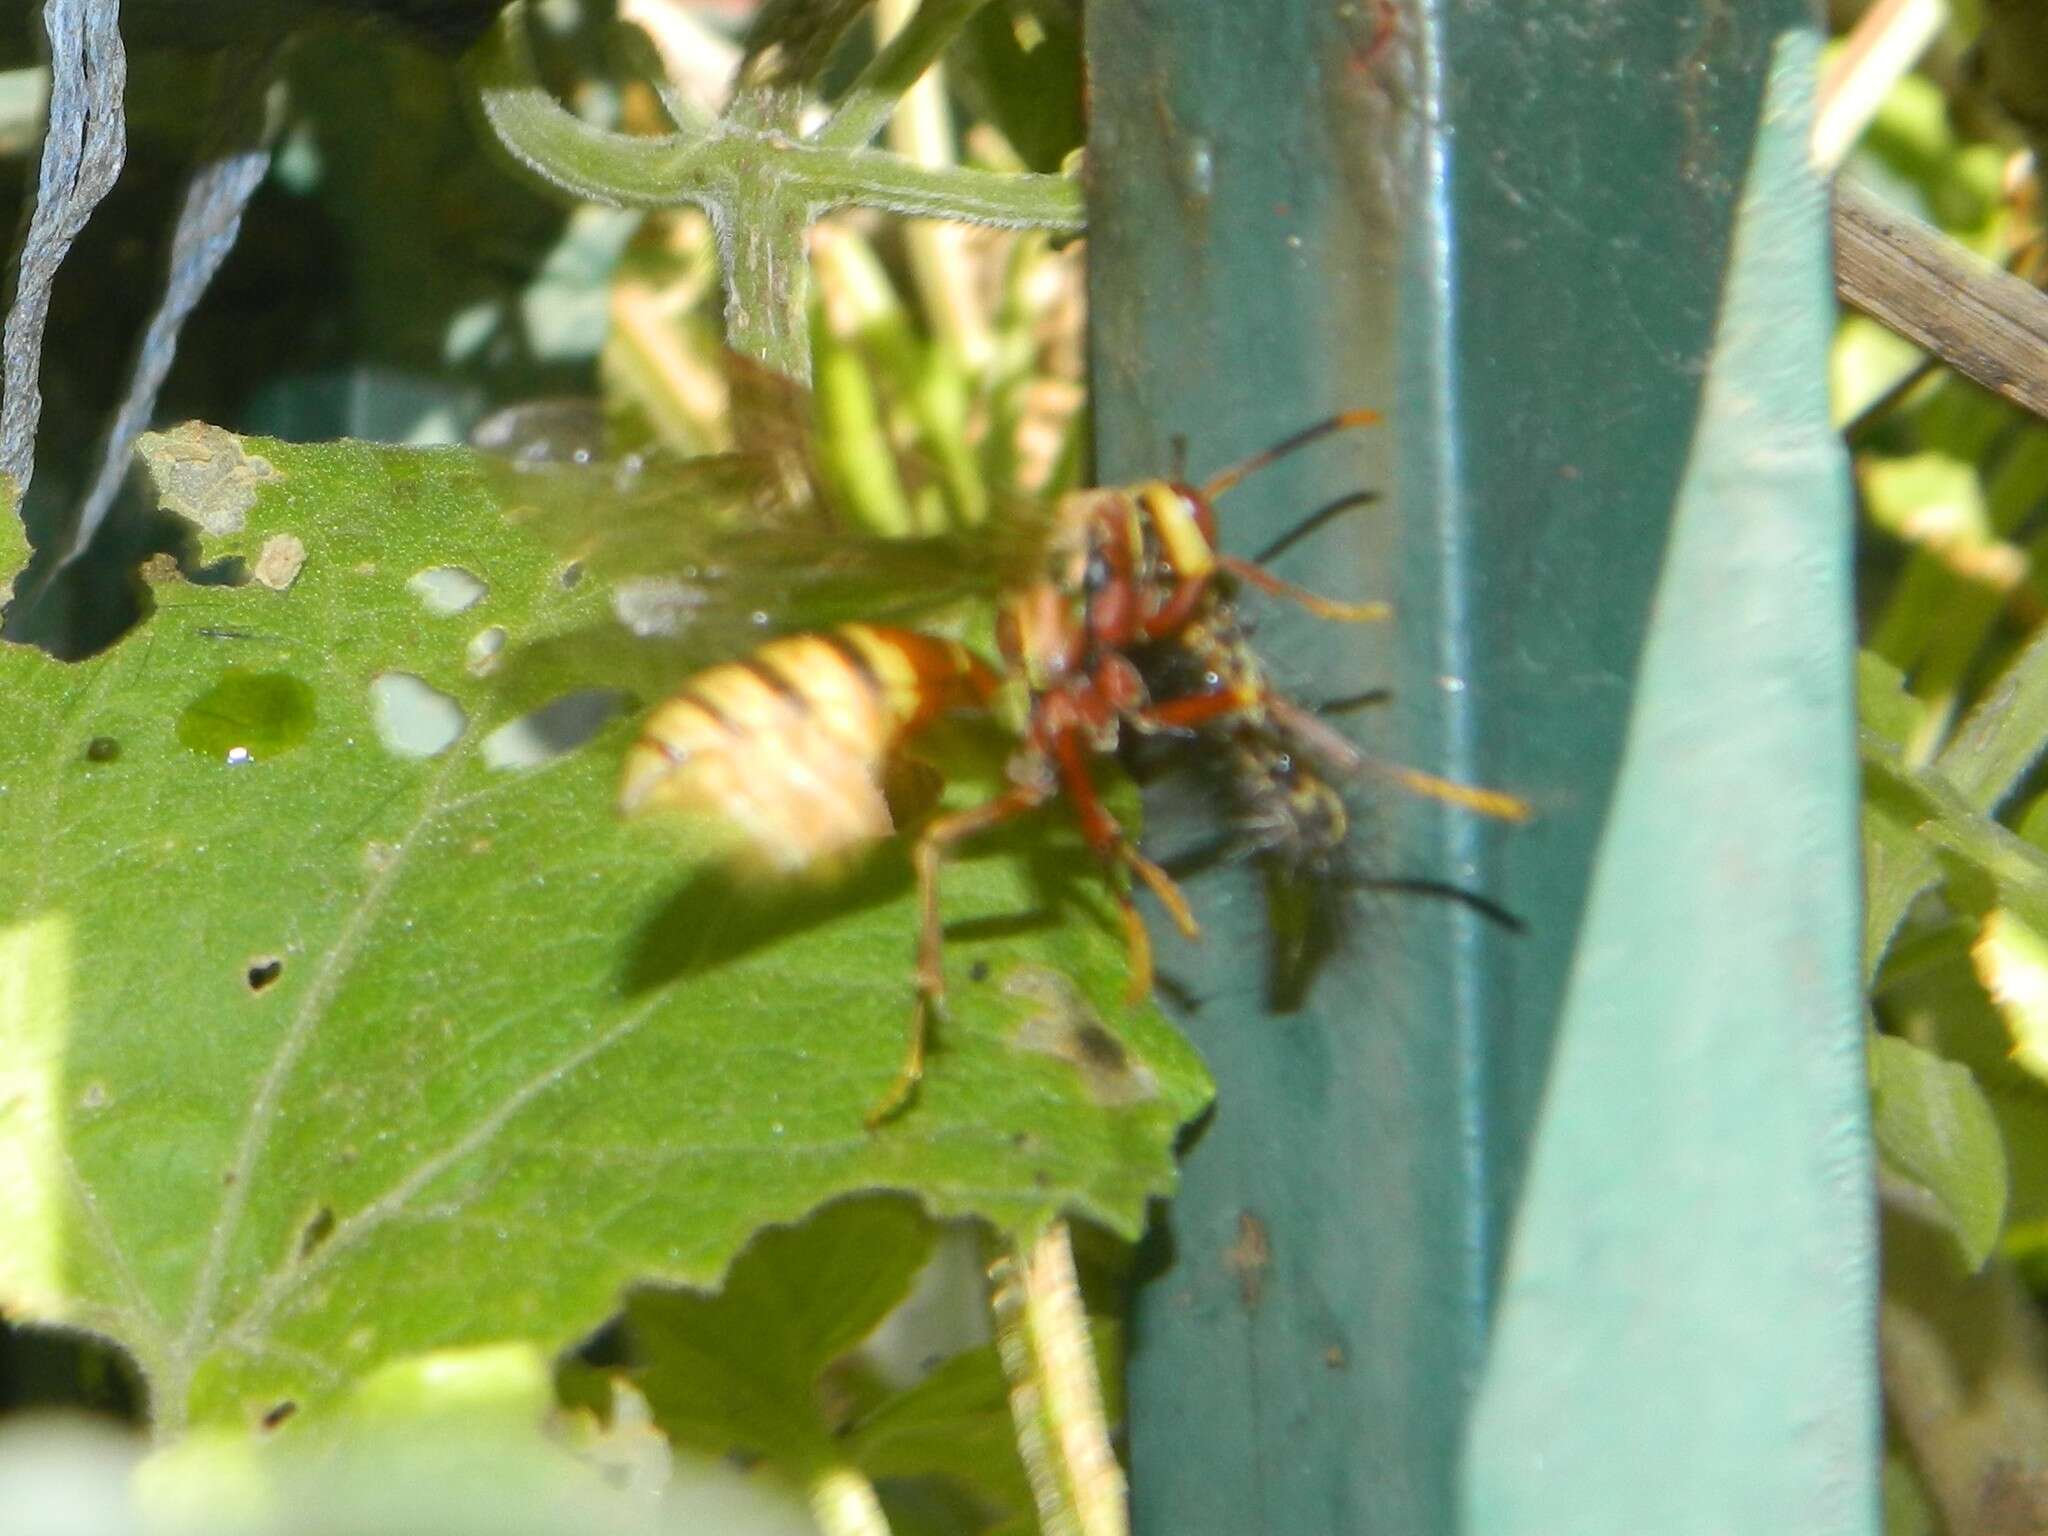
{"points": [[1557, 1218]]}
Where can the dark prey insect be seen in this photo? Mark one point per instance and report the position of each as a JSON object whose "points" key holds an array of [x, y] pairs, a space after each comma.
{"points": [[1115, 614]]}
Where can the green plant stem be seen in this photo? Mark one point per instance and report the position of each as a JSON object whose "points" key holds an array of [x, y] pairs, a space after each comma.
{"points": [[710, 169], [767, 279], [1055, 1398], [875, 92]]}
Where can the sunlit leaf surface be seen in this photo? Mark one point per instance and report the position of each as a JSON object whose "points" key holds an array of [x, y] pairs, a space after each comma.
{"points": [[324, 1041]]}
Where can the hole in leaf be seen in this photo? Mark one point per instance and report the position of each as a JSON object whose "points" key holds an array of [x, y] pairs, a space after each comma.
{"points": [[413, 719], [446, 589], [279, 562], [263, 972], [484, 648], [554, 730], [318, 1228], [228, 571]]}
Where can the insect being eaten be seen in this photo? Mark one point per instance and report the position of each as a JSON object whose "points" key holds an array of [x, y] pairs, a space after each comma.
{"points": [[1116, 618]]}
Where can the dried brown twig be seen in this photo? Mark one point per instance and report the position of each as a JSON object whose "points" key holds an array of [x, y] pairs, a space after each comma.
{"points": [[1909, 277]]}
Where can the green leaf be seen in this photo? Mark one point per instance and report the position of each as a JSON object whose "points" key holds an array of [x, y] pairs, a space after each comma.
{"points": [[1883, 706], [954, 1424], [2005, 733], [340, 1054], [1020, 67], [1934, 1127], [739, 1370], [454, 1442]]}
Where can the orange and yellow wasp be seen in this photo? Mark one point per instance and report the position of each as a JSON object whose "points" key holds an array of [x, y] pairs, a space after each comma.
{"points": [[1114, 616]]}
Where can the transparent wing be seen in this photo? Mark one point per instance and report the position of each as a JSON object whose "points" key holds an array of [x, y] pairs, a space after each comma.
{"points": [[704, 558]]}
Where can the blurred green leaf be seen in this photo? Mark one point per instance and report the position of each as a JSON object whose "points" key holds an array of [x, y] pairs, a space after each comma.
{"points": [[454, 1442], [1882, 703], [954, 1424], [1019, 66], [1929, 497], [2011, 958], [1934, 1128], [739, 1370], [327, 1058], [2005, 732], [1866, 361]]}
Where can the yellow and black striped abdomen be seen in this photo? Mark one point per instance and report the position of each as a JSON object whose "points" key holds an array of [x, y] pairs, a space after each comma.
{"points": [[790, 747]]}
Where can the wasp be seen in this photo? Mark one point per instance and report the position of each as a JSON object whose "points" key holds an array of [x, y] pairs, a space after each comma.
{"points": [[1115, 617]]}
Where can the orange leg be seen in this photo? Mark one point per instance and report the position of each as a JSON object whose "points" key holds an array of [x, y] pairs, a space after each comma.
{"points": [[931, 848], [1322, 607], [1110, 844], [1194, 709]]}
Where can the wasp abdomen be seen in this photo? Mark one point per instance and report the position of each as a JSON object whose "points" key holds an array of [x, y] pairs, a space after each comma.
{"points": [[791, 745]]}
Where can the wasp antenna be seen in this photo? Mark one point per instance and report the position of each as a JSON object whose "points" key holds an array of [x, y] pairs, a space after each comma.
{"points": [[1372, 698], [1487, 802], [1179, 457], [1253, 574], [1312, 522], [1224, 480], [1442, 890]]}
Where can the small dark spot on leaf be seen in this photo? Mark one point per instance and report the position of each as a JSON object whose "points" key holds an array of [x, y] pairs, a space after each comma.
{"points": [[1064, 1024], [572, 573], [263, 972], [227, 1179], [278, 1413], [1099, 1048], [1042, 1178], [316, 1231], [102, 749], [1333, 1357], [978, 971]]}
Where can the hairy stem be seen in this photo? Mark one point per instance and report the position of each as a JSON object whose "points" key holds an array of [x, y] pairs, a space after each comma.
{"points": [[767, 281]]}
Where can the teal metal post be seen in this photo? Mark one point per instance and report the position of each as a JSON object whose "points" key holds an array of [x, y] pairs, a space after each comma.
{"points": [[1561, 1222]]}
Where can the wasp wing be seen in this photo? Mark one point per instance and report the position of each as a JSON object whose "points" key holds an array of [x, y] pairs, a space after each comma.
{"points": [[702, 559]]}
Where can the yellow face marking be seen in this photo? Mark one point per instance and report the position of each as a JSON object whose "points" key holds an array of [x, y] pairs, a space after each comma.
{"points": [[1186, 546]]}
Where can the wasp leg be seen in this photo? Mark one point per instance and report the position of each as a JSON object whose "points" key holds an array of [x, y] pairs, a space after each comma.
{"points": [[1106, 837], [1196, 709], [931, 848], [1322, 607]]}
